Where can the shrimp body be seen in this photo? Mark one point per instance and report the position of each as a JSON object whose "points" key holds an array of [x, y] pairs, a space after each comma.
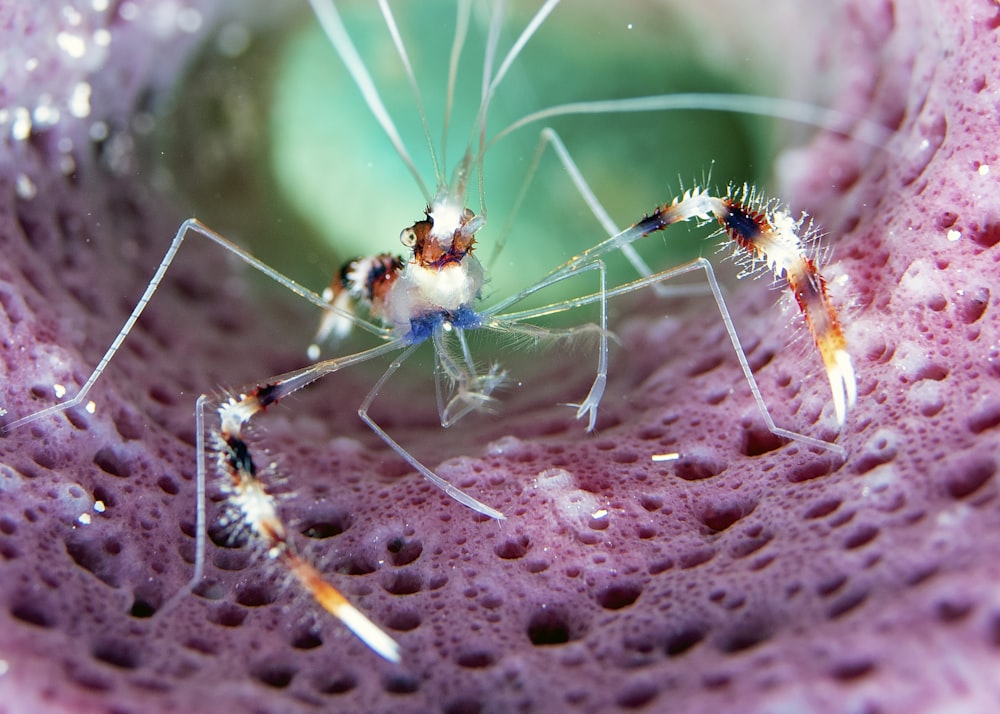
{"points": [[436, 285]]}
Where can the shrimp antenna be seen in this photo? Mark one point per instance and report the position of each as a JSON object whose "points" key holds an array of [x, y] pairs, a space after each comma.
{"points": [[515, 50], [461, 32], [333, 27], [492, 39], [397, 40], [868, 132], [490, 84]]}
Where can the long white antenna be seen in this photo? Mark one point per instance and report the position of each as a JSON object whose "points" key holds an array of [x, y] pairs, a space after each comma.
{"points": [[397, 40], [490, 84], [461, 32], [333, 26], [492, 38], [515, 50], [832, 120]]}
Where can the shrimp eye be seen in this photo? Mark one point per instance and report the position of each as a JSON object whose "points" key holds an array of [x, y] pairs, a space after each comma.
{"points": [[408, 237]]}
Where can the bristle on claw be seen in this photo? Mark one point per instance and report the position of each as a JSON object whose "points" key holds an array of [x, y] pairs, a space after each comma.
{"points": [[257, 511], [773, 237], [769, 236]]}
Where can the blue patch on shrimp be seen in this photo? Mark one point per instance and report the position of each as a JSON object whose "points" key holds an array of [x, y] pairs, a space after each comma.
{"points": [[422, 327]]}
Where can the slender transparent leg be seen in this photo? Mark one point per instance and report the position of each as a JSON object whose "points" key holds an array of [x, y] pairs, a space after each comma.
{"points": [[549, 137], [505, 320], [200, 522], [448, 488], [591, 402], [192, 225], [468, 390]]}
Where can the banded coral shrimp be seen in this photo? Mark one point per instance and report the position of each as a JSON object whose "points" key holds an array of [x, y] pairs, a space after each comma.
{"points": [[473, 389]]}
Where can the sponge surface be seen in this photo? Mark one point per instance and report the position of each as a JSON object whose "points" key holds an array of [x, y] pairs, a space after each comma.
{"points": [[751, 575]]}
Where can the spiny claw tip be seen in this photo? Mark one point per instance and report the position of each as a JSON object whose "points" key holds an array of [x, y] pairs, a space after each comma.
{"points": [[843, 383], [369, 633]]}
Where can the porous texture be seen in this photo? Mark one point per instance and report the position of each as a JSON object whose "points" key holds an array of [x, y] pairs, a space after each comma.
{"points": [[754, 575]]}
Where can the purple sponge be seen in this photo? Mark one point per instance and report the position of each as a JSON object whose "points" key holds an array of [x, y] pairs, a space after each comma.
{"points": [[753, 575]]}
